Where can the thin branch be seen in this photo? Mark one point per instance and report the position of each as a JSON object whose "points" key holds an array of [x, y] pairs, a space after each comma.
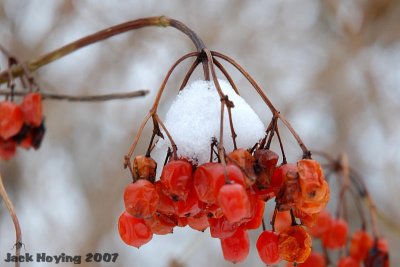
{"points": [[11, 210], [82, 98], [160, 21]]}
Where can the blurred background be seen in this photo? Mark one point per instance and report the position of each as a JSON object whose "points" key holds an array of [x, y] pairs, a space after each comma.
{"points": [[332, 67]]}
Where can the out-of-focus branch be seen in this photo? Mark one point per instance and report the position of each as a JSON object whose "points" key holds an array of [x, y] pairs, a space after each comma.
{"points": [[11, 210], [82, 98]]}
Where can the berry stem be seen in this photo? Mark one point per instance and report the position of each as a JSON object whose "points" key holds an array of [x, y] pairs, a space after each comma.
{"points": [[82, 98], [11, 210], [226, 74], [160, 21], [174, 147]]}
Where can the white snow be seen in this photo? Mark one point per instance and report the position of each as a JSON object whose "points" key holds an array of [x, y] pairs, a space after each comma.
{"points": [[194, 119]]}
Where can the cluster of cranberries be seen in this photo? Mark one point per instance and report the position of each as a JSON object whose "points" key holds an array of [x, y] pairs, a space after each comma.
{"points": [[229, 199], [20, 125]]}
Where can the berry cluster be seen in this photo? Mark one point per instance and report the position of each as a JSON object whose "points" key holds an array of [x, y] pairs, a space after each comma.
{"points": [[21, 125], [227, 198]]}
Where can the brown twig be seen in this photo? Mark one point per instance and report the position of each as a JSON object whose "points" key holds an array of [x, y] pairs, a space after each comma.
{"points": [[160, 21], [82, 98], [11, 210]]}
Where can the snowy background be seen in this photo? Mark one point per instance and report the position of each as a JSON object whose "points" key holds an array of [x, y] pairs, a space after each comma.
{"points": [[332, 67]]}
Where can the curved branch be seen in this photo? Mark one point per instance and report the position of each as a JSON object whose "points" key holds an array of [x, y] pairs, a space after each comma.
{"points": [[11, 210], [160, 21]]}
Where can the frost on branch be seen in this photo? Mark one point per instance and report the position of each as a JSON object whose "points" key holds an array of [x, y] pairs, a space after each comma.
{"points": [[194, 119]]}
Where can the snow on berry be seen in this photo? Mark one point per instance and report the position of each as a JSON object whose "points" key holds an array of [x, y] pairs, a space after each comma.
{"points": [[192, 122]]}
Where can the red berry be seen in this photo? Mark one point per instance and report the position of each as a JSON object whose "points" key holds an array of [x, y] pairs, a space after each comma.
{"points": [[361, 243], [245, 161], [283, 220], [314, 260], [7, 149], [11, 119], [348, 262], [294, 244], [236, 248], [210, 177], [289, 194], [160, 224], [165, 204], [198, 222], [378, 255], [176, 178], [31, 107], [144, 168], [266, 161], [258, 215], [234, 202], [189, 206], [222, 228], [141, 199], [133, 231], [322, 224], [267, 247], [336, 235]]}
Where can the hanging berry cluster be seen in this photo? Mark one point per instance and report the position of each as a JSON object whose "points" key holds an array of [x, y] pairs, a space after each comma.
{"points": [[21, 124], [228, 193], [362, 247]]}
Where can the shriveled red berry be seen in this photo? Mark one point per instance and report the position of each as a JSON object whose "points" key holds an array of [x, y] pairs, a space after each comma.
{"points": [[361, 243], [31, 107], [336, 235], [266, 161], [258, 215], [322, 224], [144, 168], [267, 247], [236, 248], [161, 224], [165, 204], [234, 202], [242, 158], [289, 195], [176, 178], [378, 255], [348, 262], [189, 206], [198, 222], [294, 244], [133, 231], [141, 199], [314, 260], [307, 219], [210, 177], [11, 119], [222, 228], [7, 149], [283, 220]]}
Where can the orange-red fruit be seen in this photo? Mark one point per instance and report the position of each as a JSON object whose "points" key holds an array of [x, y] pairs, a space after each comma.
{"points": [[294, 244], [322, 224], [348, 262], [11, 119], [267, 247], [160, 224], [31, 107], [144, 168], [378, 255], [141, 199], [222, 228], [133, 231], [7, 149], [266, 161], [258, 215], [234, 202], [314, 260], [176, 178], [283, 220], [198, 222], [189, 206], [245, 161], [361, 243], [236, 248], [165, 204], [336, 234], [307, 219], [289, 194], [209, 178]]}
